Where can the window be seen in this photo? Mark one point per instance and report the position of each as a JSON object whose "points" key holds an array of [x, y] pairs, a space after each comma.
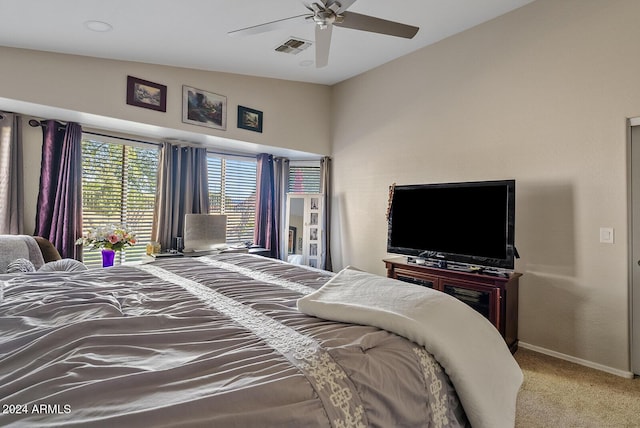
{"points": [[119, 179], [232, 191], [304, 178], [118, 187]]}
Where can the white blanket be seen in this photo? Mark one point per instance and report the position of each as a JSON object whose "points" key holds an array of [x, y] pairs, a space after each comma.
{"points": [[472, 352]]}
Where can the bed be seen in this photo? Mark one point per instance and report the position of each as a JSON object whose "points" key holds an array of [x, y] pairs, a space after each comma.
{"points": [[231, 340]]}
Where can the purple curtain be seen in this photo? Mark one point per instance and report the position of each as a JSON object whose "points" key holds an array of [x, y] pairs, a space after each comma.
{"points": [[325, 184], [281, 184], [182, 189], [266, 230], [59, 208]]}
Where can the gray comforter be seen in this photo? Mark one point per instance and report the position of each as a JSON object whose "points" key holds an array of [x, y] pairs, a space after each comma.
{"points": [[210, 341]]}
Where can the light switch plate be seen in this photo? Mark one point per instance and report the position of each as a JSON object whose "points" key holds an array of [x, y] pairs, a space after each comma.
{"points": [[606, 235]]}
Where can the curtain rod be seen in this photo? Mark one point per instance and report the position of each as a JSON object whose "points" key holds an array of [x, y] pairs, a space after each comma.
{"points": [[159, 144], [35, 123], [133, 140], [238, 155]]}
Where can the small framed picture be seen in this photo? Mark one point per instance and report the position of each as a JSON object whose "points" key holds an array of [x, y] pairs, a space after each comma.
{"points": [[291, 248], [250, 119], [204, 108], [142, 93]]}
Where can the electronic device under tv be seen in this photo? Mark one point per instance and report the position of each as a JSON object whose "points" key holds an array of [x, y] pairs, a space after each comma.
{"points": [[471, 223]]}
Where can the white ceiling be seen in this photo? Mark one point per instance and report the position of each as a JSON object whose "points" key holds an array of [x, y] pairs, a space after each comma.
{"points": [[193, 33]]}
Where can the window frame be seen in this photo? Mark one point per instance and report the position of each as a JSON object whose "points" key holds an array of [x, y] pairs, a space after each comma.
{"points": [[92, 258], [234, 224]]}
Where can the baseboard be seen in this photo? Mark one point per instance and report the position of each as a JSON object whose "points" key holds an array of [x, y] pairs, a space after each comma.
{"points": [[586, 363]]}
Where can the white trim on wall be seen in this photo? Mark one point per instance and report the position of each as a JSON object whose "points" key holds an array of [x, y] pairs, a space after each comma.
{"points": [[580, 361]]}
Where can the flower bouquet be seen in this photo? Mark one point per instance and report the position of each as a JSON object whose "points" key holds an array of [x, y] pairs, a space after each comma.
{"points": [[110, 239]]}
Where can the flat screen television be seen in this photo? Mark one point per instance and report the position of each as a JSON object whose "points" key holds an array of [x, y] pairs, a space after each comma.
{"points": [[471, 223]]}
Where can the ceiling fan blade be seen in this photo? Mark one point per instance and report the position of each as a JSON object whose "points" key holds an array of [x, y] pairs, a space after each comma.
{"points": [[323, 42], [269, 26], [313, 7], [372, 24]]}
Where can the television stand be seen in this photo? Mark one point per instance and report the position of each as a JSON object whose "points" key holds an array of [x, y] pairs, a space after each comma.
{"points": [[460, 267], [492, 294]]}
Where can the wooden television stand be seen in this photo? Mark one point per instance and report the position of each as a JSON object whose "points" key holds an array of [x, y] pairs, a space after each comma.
{"points": [[494, 296]]}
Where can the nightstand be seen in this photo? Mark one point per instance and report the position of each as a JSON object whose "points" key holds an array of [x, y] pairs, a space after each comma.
{"points": [[260, 251]]}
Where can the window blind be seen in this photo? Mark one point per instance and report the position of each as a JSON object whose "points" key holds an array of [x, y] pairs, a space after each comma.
{"points": [[118, 187], [304, 179], [232, 191]]}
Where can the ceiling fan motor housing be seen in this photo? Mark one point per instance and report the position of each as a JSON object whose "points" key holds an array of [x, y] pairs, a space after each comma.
{"points": [[324, 16]]}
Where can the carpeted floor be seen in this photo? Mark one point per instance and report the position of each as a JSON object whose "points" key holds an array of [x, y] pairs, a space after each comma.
{"points": [[557, 393]]}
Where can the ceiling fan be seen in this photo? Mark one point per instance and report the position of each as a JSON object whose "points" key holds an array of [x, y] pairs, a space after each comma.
{"points": [[327, 13]]}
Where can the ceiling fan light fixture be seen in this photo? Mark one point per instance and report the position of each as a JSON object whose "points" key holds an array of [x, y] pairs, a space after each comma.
{"points": [[325, 18]]}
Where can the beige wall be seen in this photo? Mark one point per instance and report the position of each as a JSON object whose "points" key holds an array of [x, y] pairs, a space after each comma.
{"points": [[295, 114], [93, 91], [540, 95]]}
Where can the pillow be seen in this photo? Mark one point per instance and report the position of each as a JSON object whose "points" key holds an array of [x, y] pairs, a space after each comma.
{"points": [[20, 265], [65, 265], [49, 252]]}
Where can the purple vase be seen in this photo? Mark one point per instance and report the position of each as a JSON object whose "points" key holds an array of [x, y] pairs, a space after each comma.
{"points": [[107, 257]]}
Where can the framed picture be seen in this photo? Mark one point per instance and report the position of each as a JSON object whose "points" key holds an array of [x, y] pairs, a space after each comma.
{"points": [[250, 119], [142, 93], [204, 108], [291, 248]]}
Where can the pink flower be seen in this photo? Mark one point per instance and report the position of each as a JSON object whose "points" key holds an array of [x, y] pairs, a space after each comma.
{"points": [[113, 238]]}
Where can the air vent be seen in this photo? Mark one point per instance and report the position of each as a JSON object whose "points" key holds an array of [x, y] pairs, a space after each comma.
{"points": [[293, 46]]}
